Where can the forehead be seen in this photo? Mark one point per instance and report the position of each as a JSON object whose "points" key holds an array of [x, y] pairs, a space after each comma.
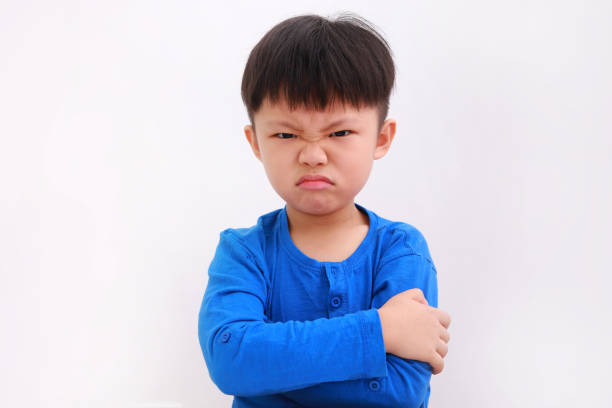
{"points": [[280, 111]]}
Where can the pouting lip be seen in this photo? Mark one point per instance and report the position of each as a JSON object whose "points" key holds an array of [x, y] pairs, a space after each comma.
{"points": [[313, 177]]}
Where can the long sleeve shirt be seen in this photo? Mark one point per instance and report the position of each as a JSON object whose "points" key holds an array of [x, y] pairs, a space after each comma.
{"points": [[280, 329]]}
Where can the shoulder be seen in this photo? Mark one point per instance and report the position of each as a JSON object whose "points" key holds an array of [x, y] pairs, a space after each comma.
{"points": [[251, 240], [400, 238], [402, 262]]}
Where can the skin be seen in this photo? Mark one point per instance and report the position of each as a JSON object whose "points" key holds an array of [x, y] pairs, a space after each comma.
{"points": [[324, 224]]}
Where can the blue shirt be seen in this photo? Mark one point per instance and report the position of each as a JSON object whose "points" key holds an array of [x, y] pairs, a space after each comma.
{"points": [[280, 329]]}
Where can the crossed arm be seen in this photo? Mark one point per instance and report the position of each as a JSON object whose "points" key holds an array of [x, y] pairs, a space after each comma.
{"points": [[407, 381], [337, 361]]}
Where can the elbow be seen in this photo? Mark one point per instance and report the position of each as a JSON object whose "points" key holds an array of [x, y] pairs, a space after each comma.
{"points": [[229, 369], [222, 374], [414, 396], [417, 399], [232, 381], [411, 386], [225, 381], [219, 362]]}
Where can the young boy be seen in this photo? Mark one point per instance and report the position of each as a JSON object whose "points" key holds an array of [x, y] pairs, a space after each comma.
{"points": [[322, 303]]}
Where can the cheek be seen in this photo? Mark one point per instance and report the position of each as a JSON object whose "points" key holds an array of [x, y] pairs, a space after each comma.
{"points": [[277, 168], [358, 168], [359, 158], [362, 170]]}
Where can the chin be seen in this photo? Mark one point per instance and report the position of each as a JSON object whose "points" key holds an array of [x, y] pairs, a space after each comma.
{"points": [[315, 207], [316, 211]]}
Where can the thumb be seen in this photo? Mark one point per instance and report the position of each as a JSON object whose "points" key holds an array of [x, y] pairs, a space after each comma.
{"points": [[419, 297], [422, 301]]}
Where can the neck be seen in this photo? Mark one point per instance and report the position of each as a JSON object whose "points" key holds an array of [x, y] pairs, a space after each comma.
{"points": [[344, 218]]}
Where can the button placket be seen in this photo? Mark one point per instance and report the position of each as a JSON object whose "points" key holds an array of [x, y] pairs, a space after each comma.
{"points": [[336, 290]]}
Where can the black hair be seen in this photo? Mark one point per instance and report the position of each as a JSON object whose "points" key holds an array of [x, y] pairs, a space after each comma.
{"points": [[310, 60]]}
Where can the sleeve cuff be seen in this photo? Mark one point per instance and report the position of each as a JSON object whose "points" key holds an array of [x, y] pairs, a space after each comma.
{"points": [[375, 357]]}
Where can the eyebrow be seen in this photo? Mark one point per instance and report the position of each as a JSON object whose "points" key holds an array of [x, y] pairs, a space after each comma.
{"points": [[293, 127]]}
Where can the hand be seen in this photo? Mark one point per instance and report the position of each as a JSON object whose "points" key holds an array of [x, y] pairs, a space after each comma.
{"points": [[414, 330]]}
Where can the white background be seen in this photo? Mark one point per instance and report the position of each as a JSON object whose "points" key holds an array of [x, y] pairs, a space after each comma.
{"points": [[122, 157]]}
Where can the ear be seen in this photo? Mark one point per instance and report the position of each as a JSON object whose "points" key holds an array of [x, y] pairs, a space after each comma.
{"points": [[251, 137], [385, 137]]}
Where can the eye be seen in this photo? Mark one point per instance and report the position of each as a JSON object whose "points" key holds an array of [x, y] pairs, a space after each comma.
{"points": [[284, 135], [342, 133]]}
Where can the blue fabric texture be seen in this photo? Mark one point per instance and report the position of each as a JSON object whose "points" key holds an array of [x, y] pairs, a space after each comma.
{"points": [[280, 329]]}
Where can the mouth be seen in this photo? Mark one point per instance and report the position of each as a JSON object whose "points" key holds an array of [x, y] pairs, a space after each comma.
{"points": [[313, 177], [314, 182]]}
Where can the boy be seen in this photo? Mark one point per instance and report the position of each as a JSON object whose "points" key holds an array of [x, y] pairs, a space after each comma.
{"points": [[323, 302]]}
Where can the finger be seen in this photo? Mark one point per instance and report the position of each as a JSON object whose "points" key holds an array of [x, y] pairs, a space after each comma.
{"points": [[437, 364], [422, 301], [444, 318], [417, 294], [444, 335], [442, 349]]}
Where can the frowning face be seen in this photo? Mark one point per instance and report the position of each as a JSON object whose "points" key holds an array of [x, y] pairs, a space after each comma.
{"points": [[334, 148]]}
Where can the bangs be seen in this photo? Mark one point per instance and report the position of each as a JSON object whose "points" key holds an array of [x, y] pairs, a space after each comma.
{"points": [[312, 62]]}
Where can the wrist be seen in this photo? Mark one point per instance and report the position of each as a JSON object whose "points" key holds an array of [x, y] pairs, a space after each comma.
{"points": [[384, 329]]}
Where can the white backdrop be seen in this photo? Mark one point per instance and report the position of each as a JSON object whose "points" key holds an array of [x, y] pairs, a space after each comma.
{"points": [[122, 157]]}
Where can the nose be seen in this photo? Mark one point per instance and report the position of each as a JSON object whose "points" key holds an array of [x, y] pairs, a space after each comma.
{"points": [[312, 154]]}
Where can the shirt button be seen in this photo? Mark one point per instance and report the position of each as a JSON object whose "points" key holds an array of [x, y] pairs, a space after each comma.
{"points": [[374, 385], [225, 337], [336, 301]]}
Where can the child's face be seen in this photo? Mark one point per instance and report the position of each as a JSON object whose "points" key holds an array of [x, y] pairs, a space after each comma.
{"points": [[294, 144]]}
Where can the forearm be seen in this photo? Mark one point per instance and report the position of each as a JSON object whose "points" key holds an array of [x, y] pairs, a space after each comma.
{"points": [[406, 385], [256, 358]]}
